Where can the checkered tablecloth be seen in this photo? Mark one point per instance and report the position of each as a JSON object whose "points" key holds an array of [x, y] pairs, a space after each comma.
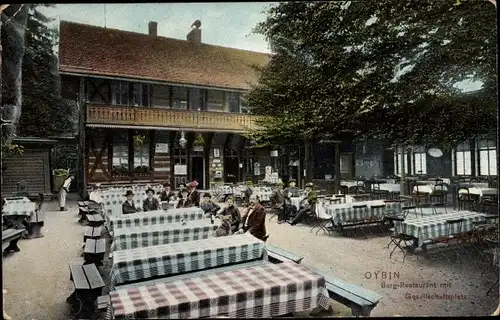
{"points": [[14, 200], [153, 235], [166, 260], [19, 209], [345, 211], [433, 226], [154, 217], [255, 292]]}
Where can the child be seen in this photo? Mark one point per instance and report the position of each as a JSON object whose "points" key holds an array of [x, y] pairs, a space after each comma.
{"points": [[208, 206]]}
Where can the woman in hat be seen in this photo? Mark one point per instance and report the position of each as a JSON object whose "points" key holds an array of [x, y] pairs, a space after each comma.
{"points": [[194, 195], [183, 198], [233, 213], [128, 206], [150, 203]]}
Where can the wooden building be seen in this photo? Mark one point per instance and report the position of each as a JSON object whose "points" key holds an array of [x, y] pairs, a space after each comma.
{"points": [[32, 166], [141, 96]]}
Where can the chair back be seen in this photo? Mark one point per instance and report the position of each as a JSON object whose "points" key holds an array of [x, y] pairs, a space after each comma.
{"points": [[454, 226], [359, 206]]}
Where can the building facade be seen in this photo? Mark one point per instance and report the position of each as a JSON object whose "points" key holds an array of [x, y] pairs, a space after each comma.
{"points": [[156, 109]]}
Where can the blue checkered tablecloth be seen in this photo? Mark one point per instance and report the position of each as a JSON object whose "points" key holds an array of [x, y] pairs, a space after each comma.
{"points": [[263, 291], [346, 212], [166, 260], [158, 234], [154, 217], [429, 227]]}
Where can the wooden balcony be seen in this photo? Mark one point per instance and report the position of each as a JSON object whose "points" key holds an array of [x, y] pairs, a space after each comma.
{"points": [[172, 118]]}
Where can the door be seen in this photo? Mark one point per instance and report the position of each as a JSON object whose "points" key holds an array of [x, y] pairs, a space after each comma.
{"points": [[231, 167], [197, 171]]}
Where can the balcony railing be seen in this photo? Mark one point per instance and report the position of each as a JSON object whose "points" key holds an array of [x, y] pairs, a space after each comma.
{"points": [[186, 119]]}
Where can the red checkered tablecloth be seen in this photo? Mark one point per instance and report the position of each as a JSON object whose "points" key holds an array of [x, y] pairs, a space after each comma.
{"points": [[255, 292]]}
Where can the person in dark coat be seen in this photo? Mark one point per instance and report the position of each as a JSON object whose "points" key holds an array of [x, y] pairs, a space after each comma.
{"points": [[232, 212], [150, 203], [181, 187], [167, 194], [254, 220], [194, 195], [278, 202], [208, 206], [128, 206], [183, 199], [306, 204]]}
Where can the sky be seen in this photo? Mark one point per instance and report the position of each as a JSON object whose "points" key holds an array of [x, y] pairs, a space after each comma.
{"points": [[224, 24]]}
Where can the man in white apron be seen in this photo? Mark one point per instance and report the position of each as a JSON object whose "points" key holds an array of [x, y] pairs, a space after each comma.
{"points": [[64, 190]]}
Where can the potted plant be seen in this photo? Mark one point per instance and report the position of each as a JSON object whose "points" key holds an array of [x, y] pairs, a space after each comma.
{"points": [[198, 143], [10, 149], [139, 140]]}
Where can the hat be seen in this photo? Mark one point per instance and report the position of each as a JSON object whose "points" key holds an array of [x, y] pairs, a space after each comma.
{"points": [[309, 184], [292, 180], [129, 193], [193, 184], [207, 195], [166, 184], [150, 189]]}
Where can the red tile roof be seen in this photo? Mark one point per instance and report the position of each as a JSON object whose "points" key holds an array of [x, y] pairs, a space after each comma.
{"points": [[109, 52]]}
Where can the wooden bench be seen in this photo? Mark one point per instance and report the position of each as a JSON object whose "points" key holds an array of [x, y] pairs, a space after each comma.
{"points": [[95, 220], [88, 286], [10, 237], [278, 255], [361, 301], [94, 251], [92, 233]]}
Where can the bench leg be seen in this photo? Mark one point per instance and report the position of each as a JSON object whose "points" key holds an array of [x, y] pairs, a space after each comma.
{"points": [[358, 311], [13, 246]]}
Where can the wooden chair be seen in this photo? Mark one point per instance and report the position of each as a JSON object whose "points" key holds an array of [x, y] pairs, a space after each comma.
{"points": [[466, 201], [397, 238], [450, 239], [439, 197]]}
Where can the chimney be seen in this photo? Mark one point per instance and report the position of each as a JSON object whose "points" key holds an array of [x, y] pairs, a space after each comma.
{"points": [[194, 35], [153, 28]]}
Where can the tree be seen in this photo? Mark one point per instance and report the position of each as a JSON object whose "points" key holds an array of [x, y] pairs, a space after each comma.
{"points": [[44, 112], [382, 68]]}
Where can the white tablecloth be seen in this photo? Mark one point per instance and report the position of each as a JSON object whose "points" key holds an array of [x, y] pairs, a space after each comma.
{"points": [[428, 188], [391, 187], [481, 191]]}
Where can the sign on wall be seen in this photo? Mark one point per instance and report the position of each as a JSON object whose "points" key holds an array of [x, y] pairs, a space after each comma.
{"points": [[162, 148], [256, 169], [180, 169], [216, 153]]}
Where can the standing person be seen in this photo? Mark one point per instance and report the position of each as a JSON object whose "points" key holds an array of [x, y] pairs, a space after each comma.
{"points": [[64, 191], [208, 206], [150, 203], [278, 201], [167, 194], [254, 220], [233, 213], [306, 204], [194, 195], [128, 205]]}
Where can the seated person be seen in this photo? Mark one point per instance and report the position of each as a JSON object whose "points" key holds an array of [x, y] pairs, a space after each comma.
{"points": [[181, 187], [277, 202], [208, 206], [194, 195], [247, 193], [167, 194], [232, 212], [150, 203], [183, 199], [254, 221], [128, 206], [292, 191], [306, 204]]}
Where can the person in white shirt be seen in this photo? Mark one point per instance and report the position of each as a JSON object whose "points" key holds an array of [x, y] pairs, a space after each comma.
{"points": [[64, 191]]}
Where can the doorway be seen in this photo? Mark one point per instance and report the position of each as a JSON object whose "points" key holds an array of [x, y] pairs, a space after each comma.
{"points": [[198, 171], [231, 168]]}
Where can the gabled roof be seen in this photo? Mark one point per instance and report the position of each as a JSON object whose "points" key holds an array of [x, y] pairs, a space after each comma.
{"points": [[109, 52]]}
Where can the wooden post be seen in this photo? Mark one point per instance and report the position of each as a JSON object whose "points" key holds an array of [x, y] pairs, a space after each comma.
{"points": [[403, 170], [81, 176], [337, 167]]}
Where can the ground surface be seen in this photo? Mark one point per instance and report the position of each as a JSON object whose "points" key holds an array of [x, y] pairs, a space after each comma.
{"points": [[37, 278]]}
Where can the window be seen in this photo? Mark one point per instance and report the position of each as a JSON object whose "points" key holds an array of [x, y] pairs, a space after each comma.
{"points": [[141, 94], [196, 99], [215, 100], [179, 97], [120, 155], [463, 164], [398, 162], [487, 158], [233, 99], [419, 160], [120, 93], [161, 96], [243, 106], [141, 158], [97, 90]]}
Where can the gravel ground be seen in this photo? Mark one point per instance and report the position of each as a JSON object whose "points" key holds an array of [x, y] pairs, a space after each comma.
{"points": [[37, 278]]}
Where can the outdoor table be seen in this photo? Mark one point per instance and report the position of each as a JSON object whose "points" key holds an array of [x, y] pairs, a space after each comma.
{"points": [[391, 187], [345, 211], [158, 234], [154, 217], [175, 258], [349, 183], [429, 227], [16, 212], [427, 188], [254, 292], [481, 191], [17, 200]]}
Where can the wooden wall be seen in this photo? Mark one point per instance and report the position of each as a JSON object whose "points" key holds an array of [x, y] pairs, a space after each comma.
{"points": [[161, 160]]}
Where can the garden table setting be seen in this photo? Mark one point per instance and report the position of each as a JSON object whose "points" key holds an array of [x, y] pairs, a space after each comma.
{"points": [[17, 200], [391, 187], [264, 193], [177, 258], [346, 212], [158, 234], [154, 217], [428, 187], [433, 226], [263, 291], [16, 212], [480, 191]]}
